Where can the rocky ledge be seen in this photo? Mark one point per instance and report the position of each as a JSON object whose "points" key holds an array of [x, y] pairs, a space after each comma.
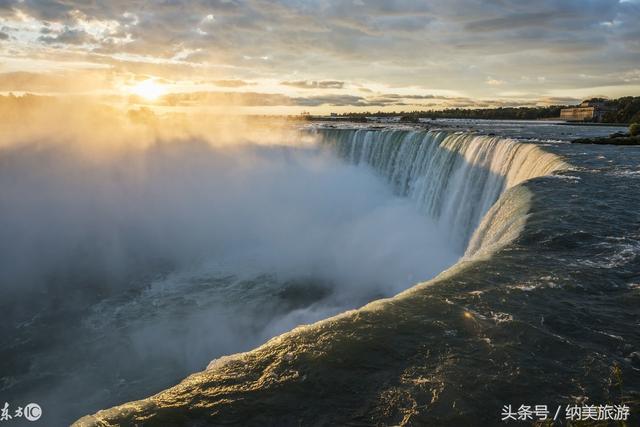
{"points": [[614, 139]]}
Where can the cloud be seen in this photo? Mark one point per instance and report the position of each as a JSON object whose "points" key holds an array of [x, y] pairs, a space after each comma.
{"points": [[494, 82], [448, 45], [559, 100], [231, 83], [314, 84], [333, 100], [249, 99], [246, 99], [398, 96], [255, 99], [68, 36], [512, 21]]}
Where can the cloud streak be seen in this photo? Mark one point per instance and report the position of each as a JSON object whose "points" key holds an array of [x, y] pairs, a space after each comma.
{"points": [[314, 84]]}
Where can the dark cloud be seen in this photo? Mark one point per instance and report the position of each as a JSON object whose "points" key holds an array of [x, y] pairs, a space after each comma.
{"points": [[332, 100], [513, 21], [4, 36], [68, 36], [6, 5], [559, 100]]}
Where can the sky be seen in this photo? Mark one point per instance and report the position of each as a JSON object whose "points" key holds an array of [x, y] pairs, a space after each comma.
{"points": [[321, 56]]}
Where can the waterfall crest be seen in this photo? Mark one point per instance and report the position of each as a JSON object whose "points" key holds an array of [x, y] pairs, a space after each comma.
{"points": [[455, 178]]}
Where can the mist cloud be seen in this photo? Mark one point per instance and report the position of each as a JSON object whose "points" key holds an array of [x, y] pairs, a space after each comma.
{"points": [[283, 209], [144, 253]]}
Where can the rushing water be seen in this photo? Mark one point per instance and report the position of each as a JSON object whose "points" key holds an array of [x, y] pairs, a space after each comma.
{"points": [[541, 309], [453, 178]]}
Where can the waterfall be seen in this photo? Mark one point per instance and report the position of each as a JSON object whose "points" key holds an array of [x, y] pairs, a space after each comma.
{"points": [[454, 178]]}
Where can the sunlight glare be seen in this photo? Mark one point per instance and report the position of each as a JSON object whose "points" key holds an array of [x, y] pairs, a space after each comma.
{"points": [[148, 89]]}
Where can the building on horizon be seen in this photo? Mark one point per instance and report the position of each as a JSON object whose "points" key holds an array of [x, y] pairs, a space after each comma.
{"points": [[588, 111]]}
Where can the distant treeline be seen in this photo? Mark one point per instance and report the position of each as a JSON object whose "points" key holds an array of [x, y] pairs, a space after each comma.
{"points": [[624, 110], [500, 113]]}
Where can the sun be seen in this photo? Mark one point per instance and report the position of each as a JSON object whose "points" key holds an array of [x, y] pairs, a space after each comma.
{"points": [[148, 89]]}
